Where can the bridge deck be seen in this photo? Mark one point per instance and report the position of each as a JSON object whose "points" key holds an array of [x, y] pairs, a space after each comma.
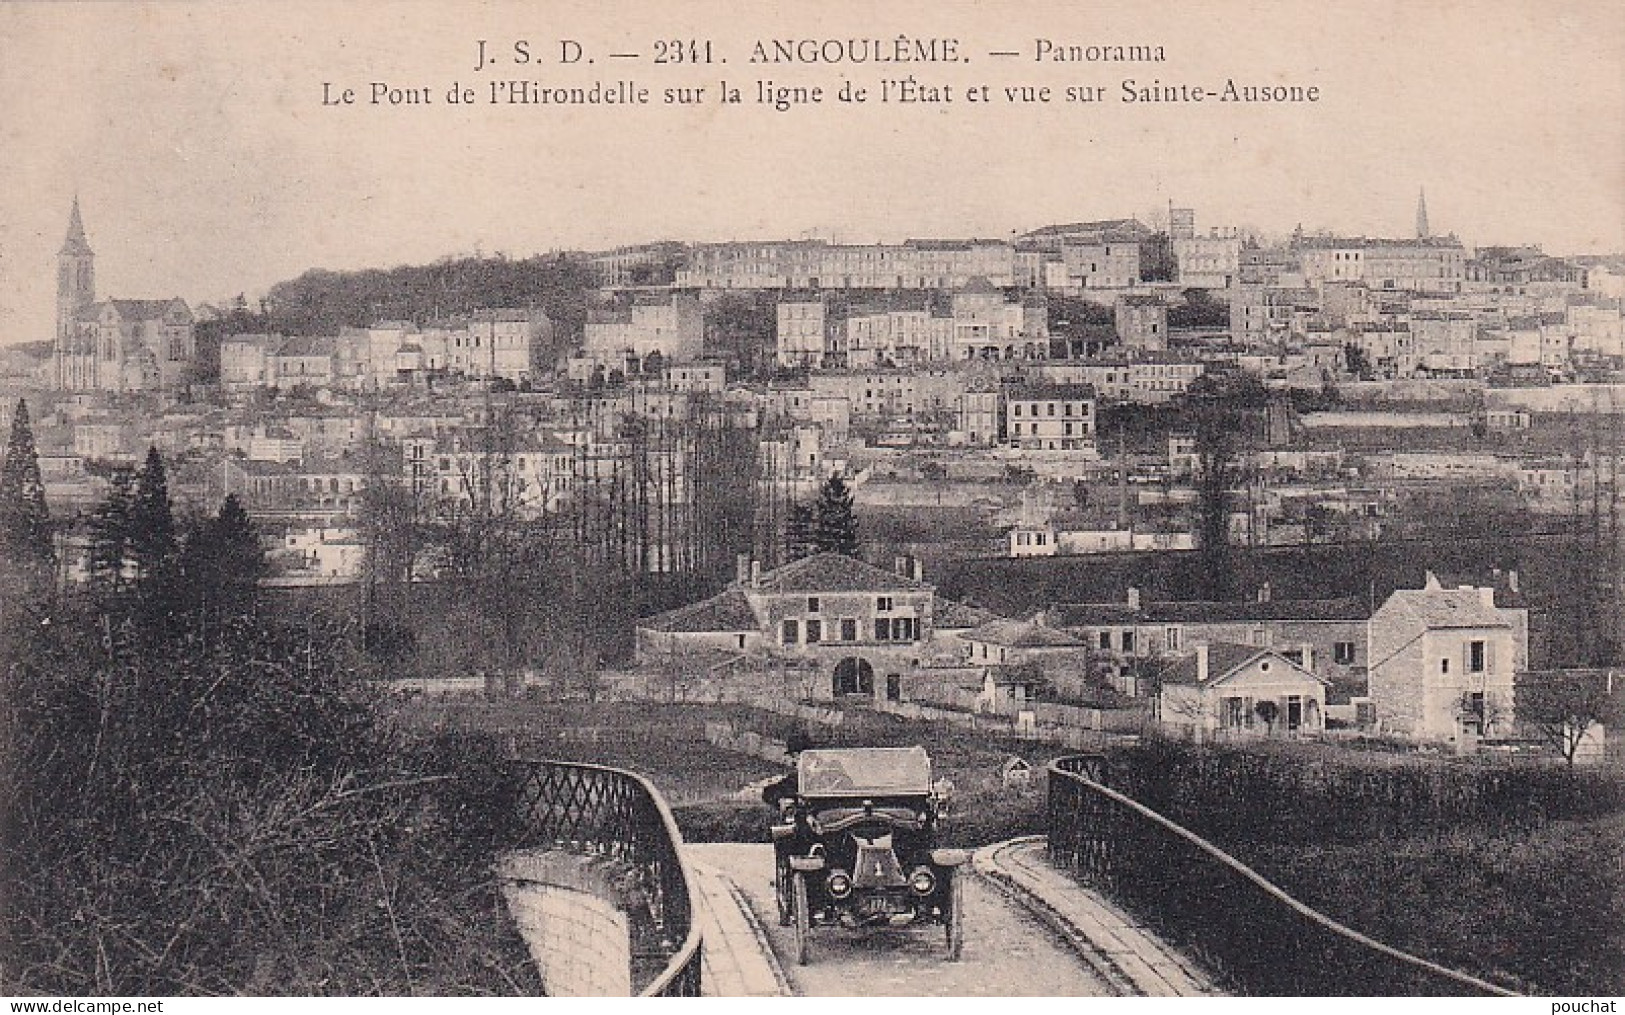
{"points": [[1008, 950], [1123, 950], [738, 960]]}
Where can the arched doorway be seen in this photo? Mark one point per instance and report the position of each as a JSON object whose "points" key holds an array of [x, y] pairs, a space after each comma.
{"points": [[854, 676]]}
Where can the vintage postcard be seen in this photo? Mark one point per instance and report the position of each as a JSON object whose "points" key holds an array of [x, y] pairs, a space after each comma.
{"points": [[913, 499]]}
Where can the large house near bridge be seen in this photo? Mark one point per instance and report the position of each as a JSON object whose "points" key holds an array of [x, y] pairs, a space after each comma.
{"points": [[854, 628]]}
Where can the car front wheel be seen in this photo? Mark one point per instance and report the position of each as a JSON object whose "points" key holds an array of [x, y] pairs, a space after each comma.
{"points": [[955, 917], [803, 920]]}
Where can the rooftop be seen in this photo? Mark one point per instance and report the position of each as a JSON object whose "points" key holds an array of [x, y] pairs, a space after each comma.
{"points": [[727, 611], [1022, 634], [835, 572], [1223, 659]]}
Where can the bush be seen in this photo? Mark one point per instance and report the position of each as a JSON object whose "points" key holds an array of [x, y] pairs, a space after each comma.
{"points": [[224, 814], [1282, 795], [723, 822]]}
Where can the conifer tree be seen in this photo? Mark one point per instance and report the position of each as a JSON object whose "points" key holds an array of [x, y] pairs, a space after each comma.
{"points": [[25, 522], [153, 544], [835, 527], [110, 533], [798, 533], [222, 564]]}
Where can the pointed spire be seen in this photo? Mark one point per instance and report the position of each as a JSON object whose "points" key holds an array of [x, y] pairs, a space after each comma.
{"points": [[1422, 214], [75, 242]]}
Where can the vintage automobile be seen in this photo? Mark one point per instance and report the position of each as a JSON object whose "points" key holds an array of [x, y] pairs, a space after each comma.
{"points": [[856, 846]]}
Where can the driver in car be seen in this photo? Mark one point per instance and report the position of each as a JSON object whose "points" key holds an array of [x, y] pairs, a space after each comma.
{"points": [[785, 788]]}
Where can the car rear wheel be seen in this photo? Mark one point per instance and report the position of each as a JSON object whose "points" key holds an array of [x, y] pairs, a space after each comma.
{"points": [[955, 917], [782, 892], [803, 919]]}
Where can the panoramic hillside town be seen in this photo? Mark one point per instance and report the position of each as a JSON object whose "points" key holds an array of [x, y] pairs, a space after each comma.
{"points": [[855, 472], [698, 618], [906, 500]]}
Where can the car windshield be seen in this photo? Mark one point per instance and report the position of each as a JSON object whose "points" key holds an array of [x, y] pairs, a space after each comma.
{"points": [[869, 771]]}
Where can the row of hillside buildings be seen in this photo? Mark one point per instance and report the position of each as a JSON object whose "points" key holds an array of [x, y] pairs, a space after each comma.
{"points": [[1420, 307], [1108, 255], [487, 344], [1434, 663]]}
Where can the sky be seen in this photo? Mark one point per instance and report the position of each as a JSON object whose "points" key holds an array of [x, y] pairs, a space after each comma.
{"points": [[206, 164]]}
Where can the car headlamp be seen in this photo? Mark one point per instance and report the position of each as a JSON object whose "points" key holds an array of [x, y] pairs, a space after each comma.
{"points": [[922, 881], [839, 884]]}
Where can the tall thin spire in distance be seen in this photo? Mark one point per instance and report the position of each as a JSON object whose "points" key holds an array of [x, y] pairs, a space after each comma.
{"points": [[75, 243], [1422, 214]]}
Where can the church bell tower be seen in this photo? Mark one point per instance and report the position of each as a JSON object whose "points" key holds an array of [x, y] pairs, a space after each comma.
{"points": [[75, 290]]}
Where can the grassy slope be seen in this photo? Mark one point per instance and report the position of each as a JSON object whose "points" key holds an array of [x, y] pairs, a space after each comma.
{"points": [[1546, 907]]}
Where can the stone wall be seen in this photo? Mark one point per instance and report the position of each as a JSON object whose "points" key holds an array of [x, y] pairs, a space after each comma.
{"points": [[573, 921]]}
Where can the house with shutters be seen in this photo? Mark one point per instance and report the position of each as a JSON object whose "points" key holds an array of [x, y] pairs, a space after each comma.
{"points": [[1240, 690], [1325, 636], [860, 629], [1023, 660], [1442, 662]]}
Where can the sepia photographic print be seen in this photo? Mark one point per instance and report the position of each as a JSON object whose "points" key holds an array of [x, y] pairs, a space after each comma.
{"points": [[566, 499]]}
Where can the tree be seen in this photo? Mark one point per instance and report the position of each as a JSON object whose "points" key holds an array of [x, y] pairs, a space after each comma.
{"points": [[835, 527], [1268, 711], [1563, 706], [1080, 494], [110, 534], [1215, 474], [1356, 362], [153, 544], [1218, 408], [798, 532], [740, 328], [25, 522], [222, 565]]}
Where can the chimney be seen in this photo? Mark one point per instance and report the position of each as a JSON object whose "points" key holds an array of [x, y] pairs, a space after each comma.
{"points": [[755, 574], [916, 568], [1264, 592], [742, 568], [1201, 664], [1309, 657], [1512, 580], [1133, 598], [1486, 595], [899, 565]]}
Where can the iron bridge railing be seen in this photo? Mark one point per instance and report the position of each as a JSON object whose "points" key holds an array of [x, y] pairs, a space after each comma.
{"points": [[1230, 918], [619, 815]]}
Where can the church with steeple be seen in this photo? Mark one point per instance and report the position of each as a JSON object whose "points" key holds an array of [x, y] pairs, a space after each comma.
{"points": [[115, 345]]}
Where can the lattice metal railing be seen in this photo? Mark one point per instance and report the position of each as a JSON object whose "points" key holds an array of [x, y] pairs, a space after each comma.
{"points": [[1254, 936], [619, 815]]}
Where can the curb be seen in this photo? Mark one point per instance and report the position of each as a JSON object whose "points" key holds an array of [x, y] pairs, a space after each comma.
{"points": [[984, 865], [760, 934], [764, 946]]}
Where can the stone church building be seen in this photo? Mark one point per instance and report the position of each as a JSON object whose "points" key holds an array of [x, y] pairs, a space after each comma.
{"points": [[115, 345]]}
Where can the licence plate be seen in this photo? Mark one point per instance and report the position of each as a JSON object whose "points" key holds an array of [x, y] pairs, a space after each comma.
{"points": [[875, 905]]}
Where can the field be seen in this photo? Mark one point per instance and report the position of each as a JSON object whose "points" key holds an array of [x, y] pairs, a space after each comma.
{"points": [[1545, 905], [710, 789], [1513, 871]]}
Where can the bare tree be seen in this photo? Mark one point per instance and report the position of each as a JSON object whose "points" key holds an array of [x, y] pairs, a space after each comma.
{"points": [[1564, 707]]}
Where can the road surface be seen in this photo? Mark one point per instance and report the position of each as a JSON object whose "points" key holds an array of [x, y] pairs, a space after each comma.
{"points": [[1007, 951]]}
